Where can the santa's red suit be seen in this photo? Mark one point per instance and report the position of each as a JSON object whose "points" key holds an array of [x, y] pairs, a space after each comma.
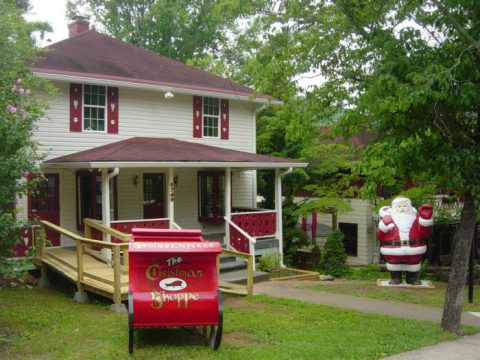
{"points": [[401, 239]]}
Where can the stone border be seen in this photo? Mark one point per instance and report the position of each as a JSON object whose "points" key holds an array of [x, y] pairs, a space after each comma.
{"points": [[303, 275]]}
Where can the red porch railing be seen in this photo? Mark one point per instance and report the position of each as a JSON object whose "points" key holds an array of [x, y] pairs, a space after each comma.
{"points": [[256, 224], [126, 226]]}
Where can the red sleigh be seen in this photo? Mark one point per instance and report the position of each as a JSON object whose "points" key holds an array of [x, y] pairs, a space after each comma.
{"points": [[174, 282]]}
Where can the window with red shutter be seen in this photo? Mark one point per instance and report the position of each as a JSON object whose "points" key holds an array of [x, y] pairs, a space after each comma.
{"points": [[210, 118], [112, 111], [94, 108], [76, 96]]}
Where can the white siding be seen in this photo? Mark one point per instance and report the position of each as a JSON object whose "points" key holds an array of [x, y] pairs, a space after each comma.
{"points": [[362, 215], [141, 113], [145, 114]]}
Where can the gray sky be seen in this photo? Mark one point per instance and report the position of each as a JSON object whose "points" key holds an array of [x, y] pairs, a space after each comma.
{"points": [[53, 12]]}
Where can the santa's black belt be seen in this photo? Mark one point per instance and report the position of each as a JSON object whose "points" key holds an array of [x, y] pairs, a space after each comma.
{"points": [[401, 242]]}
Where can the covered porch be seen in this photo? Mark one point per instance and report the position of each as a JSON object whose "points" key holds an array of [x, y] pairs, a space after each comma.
{"points": [[167, 183]]}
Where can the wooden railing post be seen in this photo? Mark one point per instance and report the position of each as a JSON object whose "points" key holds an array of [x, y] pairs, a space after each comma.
{"points": [[125, 256], [43, 233], [117, 296], [250, 275], [80, 296], [87, 232]]}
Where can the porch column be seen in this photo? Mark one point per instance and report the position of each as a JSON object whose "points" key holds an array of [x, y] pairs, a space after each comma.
{"points": [[278, 209], [106, 206], [228, 203], [171, 197]]}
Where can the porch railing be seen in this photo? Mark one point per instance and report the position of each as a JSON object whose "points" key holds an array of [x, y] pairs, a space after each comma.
{"points": [[92, 282], [126, 226], [255, 224]]}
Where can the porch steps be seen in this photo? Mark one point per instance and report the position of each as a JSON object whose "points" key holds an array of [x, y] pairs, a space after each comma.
{"points": [[233, 270]]}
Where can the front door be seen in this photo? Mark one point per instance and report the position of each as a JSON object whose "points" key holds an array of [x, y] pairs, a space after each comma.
{"points": [[89, 197], [153, 196], [45, 204]]}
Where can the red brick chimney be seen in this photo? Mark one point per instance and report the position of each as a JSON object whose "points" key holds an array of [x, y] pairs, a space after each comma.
{"points": [[78, 25]]}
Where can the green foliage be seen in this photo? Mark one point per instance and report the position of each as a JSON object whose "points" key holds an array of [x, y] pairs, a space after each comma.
{"points": [[180, 29], [293, 236], [19, 110], [423, 269], [334, 257], [269, 262], [369, 272]]}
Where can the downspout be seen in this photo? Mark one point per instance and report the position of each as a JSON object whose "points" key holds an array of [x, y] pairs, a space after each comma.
{"points": [[254, 150], [278, 208]]}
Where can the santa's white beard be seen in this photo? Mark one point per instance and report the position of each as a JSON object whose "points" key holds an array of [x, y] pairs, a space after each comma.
{"points": [[404, 223]]}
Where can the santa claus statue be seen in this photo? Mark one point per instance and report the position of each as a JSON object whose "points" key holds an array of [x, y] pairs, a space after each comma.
{"points": [[401, 232]]}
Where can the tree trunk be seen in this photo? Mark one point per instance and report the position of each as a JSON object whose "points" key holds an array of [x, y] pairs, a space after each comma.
{"points": [[334, 222], [452, 309]]}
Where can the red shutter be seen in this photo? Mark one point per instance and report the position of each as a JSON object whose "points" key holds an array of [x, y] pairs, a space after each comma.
{"points": [[112, 110], [76, 107], [224, 121], [197, 116]]}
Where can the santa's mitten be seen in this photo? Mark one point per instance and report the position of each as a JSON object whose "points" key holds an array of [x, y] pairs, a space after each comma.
{"points": [[425, 211], [386, 224]]}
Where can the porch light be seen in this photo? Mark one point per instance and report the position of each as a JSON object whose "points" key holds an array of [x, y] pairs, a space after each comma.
{"points": [[175, 180], [135, 180], [168, 95]]}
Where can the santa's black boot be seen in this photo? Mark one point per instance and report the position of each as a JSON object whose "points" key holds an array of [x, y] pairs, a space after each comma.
{"points": [[396, 278], [412, 278]]}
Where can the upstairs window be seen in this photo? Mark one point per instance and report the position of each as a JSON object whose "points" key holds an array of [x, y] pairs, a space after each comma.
{"points": [[211, 196], [211, 117], [94, 108]]}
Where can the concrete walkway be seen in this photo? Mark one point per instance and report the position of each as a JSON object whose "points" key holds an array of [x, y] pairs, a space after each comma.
{"points": [[466, 348]]}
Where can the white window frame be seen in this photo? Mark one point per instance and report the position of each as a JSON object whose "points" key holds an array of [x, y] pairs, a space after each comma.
{"points": [[97, 107], [211, 116]]}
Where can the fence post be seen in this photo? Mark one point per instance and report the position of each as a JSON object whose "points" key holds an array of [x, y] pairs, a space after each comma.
{"points": [[87, 232], [250, 275], [80, 296], [117, 305]]}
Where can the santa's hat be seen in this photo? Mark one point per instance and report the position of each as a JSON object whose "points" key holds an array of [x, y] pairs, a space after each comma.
{"points": [[401, 199]]}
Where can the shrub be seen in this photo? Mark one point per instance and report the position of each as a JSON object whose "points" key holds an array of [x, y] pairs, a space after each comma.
{"points": [[269, 262], [334, 256]]}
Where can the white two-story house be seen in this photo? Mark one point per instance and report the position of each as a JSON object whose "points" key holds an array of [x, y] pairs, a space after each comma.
{"points": [[132, 135]]}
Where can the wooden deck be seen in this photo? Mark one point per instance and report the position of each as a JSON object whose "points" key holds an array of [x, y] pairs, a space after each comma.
{"points": [[109, 278], [98, 276]]}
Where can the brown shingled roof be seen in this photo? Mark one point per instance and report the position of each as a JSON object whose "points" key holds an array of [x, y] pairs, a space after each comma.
{"points": [[91, 54], [141, 149]]}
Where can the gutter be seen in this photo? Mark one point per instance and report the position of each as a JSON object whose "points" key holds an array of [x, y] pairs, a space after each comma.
{"points": [[151, 86]]}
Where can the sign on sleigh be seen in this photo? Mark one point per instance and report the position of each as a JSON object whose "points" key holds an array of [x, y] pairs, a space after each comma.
{"points": [[174, 282]]}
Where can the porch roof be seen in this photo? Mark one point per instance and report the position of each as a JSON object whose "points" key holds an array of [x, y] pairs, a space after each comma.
{"points": [[164, 152]]}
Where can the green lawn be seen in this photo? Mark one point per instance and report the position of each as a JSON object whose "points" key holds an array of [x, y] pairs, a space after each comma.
{"points": [[369, 289], [46, 324]]}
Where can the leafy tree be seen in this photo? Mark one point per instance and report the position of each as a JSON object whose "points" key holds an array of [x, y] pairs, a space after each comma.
{"points": [[19, 110], [180, 29], [405, 70], [334, 257]]}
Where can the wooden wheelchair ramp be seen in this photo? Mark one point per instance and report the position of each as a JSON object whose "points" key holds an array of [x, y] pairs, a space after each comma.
{"points": [[98, 276], [85, 265]]}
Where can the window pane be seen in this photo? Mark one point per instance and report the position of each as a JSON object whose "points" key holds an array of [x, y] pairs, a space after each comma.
{"points": [[211, 195], [94, 107], [351, 237]]}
